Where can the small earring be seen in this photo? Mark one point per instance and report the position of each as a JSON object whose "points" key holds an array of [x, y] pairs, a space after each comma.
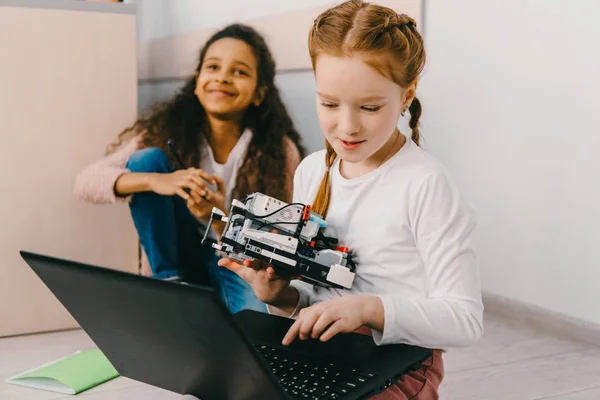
{"points": [[403, 112]]}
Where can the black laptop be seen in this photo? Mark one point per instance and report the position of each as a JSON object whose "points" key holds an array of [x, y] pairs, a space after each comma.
{"points": [[182, 338]]}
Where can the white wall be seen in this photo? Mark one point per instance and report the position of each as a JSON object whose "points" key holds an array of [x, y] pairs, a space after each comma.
{"points": [[159, 18], [511, 107]]}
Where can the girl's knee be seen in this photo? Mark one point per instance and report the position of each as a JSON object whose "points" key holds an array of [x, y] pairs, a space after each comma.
{"points": [[151, 159]]}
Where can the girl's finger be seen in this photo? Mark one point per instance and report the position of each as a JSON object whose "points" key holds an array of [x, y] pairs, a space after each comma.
{"points": [[220, 185], [208, 195], [199, 181], [309, 320], [200, 192], [335, 328], [181, 193], [190, 204], [230, 264], [193, 186], [193, 208], [202, 174], [321, 325], [195, 197], [247, 274], [292, 333]]}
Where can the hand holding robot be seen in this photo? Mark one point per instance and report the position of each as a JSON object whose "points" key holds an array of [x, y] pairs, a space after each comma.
{"points": [[289, 237]]}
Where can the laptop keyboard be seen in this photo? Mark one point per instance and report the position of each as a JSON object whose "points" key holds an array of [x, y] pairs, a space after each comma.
{"points": [[304, 377]]}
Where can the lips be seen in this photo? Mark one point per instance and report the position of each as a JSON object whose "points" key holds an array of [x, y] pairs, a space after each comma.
{"points": [[351, 145], [221, 92]]}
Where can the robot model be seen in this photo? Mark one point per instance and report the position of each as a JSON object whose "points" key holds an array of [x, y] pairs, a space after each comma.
{"points": [[287, 236]]}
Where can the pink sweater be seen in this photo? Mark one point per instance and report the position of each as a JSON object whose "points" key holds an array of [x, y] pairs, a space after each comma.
{"points": [[96, 183]]}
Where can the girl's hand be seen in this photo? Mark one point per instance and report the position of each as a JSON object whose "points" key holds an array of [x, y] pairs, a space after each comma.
{"points": [[175, 182], [344, 314], [269, 287], [202, 202]]}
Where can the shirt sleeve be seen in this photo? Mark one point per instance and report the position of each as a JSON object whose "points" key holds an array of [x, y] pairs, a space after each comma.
{"points": [[96, 183], [451, 314]]}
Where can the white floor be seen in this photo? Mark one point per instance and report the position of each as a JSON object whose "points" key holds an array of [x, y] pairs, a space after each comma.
{"points": [[510, 362]]}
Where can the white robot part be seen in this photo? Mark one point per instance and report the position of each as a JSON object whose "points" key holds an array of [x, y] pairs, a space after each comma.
{"points": [[330, 257], [286, 243], [341, 275]]}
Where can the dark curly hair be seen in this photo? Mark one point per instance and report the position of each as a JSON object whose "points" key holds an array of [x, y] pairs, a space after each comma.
{"points": [[183, 120]]}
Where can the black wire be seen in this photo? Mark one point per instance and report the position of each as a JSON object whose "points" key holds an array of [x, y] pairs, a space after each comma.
{"points": [[282, 208]]}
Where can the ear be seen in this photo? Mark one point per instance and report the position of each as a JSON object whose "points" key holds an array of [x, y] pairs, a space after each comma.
{"points": [[259, 96], [410, 93]]}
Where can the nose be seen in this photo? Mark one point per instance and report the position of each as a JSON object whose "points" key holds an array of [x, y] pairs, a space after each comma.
{"points": [[222, 77], [348, 122]]}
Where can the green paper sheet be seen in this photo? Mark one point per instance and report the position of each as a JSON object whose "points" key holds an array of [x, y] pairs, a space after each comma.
{"points": [[70, 375]]}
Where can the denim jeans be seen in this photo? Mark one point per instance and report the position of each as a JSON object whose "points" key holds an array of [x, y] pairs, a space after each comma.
{"points": [[171, 238]]}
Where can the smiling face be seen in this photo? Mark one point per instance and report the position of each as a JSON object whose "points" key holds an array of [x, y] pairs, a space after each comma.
{"points": [[227, 81], [358, 108]]}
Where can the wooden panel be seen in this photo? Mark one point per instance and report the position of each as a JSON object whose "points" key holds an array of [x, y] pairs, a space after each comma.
{"points": [[67, 88], [175, 57]]}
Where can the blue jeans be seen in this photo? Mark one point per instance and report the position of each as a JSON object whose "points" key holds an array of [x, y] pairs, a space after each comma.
{"points": [[171, 238]]}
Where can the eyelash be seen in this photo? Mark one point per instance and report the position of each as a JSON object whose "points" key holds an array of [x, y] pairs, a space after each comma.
{"points": [[328, 105], [237, 71], [368, 109], [372, 109]]}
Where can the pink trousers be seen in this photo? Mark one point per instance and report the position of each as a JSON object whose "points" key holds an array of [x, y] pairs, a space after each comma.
{"points": [[422, 384]]}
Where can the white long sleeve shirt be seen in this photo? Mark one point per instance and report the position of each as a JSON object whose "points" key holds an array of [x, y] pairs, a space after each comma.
{"points": [[411, 232]]}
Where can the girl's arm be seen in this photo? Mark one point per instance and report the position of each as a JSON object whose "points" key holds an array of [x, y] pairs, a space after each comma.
{"points": [[96, 183], [287, 305], [451, 314], [129, 183]]}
